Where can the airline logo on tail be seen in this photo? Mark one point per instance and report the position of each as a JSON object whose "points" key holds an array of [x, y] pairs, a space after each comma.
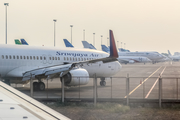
{"points": [[113, 49]]}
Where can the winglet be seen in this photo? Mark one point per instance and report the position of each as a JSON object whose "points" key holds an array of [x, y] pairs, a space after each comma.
{"points": [[113, 49]]}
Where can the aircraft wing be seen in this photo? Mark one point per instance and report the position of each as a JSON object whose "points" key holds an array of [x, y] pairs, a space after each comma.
{"points": [[64, 69], [15, 105]]}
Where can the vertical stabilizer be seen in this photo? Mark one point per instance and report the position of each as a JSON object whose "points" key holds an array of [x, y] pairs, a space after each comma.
{"points": [[169, 53], [24, 42], [113, 49], [87, 45], [67, 43], [105, 48], [17, 42]]}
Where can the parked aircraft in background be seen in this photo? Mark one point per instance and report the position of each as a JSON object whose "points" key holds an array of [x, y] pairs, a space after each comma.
{"points": [[17, 42], [67, 43], [153, 56], [24, 42], [87, 45], [128, 59], [21, 63], [174, 57]]}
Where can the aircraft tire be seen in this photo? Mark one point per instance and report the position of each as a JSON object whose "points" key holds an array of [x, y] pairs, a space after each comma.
{"points": [[41, 86], [35, 85]]}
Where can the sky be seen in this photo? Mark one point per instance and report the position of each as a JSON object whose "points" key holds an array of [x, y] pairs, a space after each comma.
{"points": [[143, 25]]}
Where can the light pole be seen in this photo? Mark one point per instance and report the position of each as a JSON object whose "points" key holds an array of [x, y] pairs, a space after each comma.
{"points": [[54, 30], [71, 33], [107, 41], [121, 44], [94, 39], [118, 44], [6, 4], [84, 34], [124, 45], [101, 39]]}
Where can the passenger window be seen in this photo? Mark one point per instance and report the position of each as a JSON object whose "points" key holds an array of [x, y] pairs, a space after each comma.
{"points": [[52, 58], [84, 59], [10, 57], [34, 57], [40, 57], [37, 58], [17, 57], [67, 58], [2, 56], [78, 59], [55, 58], [70, 58], [31, 57], [44, 58], [24, 57], [6, 57], [58, 58], [14, 57], [81, 59], [20, 57], [27, 57], [49, 58], [73, 59], [64, 58]]}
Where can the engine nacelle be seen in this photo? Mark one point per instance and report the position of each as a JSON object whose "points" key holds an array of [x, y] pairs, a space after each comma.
{"points": [[131, 61], [76, 77]]}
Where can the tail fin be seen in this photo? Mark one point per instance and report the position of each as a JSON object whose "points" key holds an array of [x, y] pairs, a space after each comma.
{"points": [[105, 48], [17, 42], [113, 49], [169, 53], [92, 46], [24, 42], [87, 45], [67, 43]]}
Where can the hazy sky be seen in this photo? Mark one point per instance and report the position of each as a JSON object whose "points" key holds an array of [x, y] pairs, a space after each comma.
{"points": [[144, 25]]}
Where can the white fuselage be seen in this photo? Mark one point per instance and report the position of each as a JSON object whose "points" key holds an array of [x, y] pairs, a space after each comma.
{"points": [[134, 59], [154, 56], [16, 60]]}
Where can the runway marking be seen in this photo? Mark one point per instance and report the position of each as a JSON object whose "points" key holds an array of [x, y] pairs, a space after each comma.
{"points": [[154, 83], [142, 82]]}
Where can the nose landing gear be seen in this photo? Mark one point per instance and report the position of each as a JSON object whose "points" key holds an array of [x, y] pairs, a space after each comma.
{"points": [[103, 82]]}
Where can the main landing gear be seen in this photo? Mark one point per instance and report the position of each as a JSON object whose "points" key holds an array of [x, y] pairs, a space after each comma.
{"points": [[39, 86], [103, 82]]}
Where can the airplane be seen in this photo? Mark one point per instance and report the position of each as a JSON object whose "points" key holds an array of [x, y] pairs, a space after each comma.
{"points": [[128, 59], [174, 57], [17, 42], [153, 56], [87, 45], [67, 43], [16, 105], [24, 42], [21, 63]]}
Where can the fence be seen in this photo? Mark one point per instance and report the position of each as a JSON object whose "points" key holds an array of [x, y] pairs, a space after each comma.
{"points": [[121, 89]]}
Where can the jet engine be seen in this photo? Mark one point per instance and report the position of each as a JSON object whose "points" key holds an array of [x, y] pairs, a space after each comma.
{"points": [[76, 77]]}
